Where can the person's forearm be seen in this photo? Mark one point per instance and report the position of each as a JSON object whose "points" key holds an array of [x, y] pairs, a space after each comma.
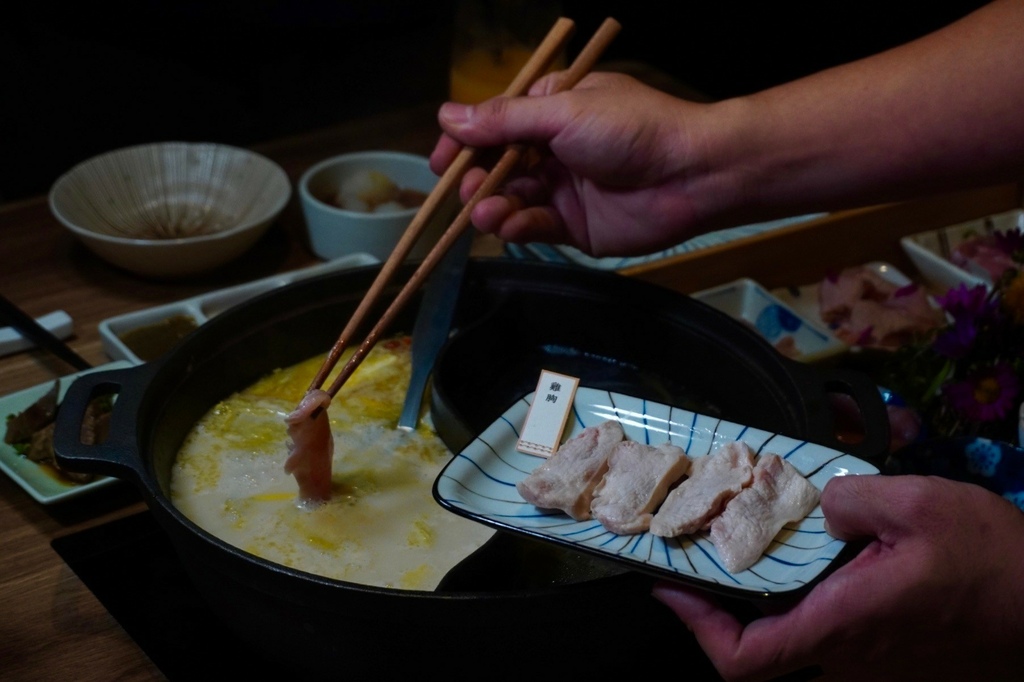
{"points": [[941, 112]]}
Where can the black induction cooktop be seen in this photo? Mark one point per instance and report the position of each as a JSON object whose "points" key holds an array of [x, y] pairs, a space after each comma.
{"points": [[131, 567]]}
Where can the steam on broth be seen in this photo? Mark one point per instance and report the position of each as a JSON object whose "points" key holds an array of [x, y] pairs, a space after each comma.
{"points": [[381, 526]]}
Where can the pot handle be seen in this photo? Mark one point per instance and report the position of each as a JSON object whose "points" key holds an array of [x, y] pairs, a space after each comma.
{"points": [[817, 384], [118, 454]]}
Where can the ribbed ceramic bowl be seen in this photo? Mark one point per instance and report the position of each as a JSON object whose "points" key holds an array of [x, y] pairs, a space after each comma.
{"points": [[171, 209]]}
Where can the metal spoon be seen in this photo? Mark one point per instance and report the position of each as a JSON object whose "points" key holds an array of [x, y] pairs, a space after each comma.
{"points": [[433, 323]]}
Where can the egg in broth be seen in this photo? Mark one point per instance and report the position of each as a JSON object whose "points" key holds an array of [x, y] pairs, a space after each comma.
{"points": [[381, 526]]}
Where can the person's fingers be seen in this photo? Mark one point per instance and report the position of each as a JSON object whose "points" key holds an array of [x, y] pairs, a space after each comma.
{"points": [[549, 83], [445, 151], [534, 224], [694, 607], [866, 506], [509, 219], [471, 181], [771, 645], [528, 190], [546, 84], [491, 212], [717, 631], [502, 120]]}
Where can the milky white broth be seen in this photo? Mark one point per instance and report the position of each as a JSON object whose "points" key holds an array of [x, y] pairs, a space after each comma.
{"points": [[381, 527]]}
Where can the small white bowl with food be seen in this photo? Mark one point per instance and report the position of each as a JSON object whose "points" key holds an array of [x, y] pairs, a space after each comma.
{"points": [[362, 202], [171, 209]]}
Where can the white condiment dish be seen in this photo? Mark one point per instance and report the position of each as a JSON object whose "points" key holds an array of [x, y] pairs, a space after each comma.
{"points": [[334, 231], [791, 333]]}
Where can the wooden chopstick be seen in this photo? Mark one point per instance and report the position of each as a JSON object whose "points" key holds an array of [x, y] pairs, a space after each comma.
{"points": [[538, 63], [583, 63]]}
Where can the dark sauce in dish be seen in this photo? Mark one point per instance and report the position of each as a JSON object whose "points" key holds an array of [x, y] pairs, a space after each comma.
{"points": [[151, 341]]}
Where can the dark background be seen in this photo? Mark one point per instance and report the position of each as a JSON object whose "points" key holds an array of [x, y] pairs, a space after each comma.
{"points": [[84, 78]]}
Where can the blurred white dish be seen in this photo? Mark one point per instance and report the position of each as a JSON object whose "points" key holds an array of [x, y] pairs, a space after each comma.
{"points": [[171, 209], [792, 334], [203, 307], [804, 300], [931, 251], [574, 255], [334, 231]]}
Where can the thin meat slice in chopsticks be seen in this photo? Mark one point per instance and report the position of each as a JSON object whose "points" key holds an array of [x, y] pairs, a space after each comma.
{"points": [[567, 480], [311, 446], [637, 481], [714, 480], [751, 520]]}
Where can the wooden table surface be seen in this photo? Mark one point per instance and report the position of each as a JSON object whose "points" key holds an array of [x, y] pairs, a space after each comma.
{"points": [[51, 625]]}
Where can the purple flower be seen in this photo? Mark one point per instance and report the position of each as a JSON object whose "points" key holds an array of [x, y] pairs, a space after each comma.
{"points": [[986, 395], [971, 308], [956, 340], [972, 303], [1009, 242]]}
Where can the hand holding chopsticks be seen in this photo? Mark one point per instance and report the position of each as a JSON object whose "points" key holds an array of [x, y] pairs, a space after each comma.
{"points": [[535, 67]]}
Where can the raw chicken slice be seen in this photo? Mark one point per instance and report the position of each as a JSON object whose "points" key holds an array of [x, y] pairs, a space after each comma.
{"points": [[752, 519], [637, 481], [568, 478], [714, 480], [311, 447]]}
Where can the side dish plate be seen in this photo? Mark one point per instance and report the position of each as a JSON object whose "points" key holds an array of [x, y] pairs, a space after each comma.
{"points": [[479, 483], [202, 308], [42, 485], [790, 333], [931, 251]]}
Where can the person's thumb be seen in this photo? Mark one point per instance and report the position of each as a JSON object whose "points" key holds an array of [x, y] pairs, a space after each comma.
{"points": [[501, 120], [858, 506]]}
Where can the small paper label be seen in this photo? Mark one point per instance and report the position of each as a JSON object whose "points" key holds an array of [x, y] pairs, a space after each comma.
{"points": [[545, 421]]}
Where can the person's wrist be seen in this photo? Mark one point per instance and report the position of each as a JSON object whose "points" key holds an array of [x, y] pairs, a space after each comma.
{"points": [[713, 147]]}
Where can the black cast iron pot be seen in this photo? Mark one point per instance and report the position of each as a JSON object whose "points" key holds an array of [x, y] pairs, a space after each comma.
{"points": [[514, 595]]}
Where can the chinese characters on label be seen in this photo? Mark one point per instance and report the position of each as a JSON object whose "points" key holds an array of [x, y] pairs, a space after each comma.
{"points": [[554, 388], [549, 411]]}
